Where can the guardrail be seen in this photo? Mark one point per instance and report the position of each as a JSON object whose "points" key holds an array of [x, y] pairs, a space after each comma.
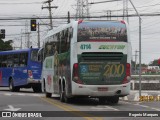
{"points": [[148, 82]]}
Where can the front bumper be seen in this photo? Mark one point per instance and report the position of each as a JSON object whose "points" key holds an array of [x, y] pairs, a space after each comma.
{"points": [[29, 80]]}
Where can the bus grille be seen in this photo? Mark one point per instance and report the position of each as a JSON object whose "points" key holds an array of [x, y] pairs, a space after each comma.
{"points": [[101, 56]]}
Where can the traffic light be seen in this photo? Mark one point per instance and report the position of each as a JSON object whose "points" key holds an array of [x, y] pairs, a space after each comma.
{"points": [[2, 33], [33, 25]]}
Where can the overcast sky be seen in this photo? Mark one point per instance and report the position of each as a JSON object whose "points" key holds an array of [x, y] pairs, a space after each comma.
{"points": [[32, 8]]}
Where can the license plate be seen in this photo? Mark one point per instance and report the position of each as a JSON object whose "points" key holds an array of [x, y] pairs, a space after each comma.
{"points": [[102, 89]]}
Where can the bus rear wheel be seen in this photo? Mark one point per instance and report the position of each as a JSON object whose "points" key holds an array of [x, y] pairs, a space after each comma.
{"points": [[113, 100], [37, 88], [102, 100], [12, 88]]}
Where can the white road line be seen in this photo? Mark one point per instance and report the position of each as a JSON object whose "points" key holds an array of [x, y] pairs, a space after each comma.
{"points": [[104, 108], [112, 108], [7, 94], [142, 105], [22, 94], [156, 109], [145, 106]]}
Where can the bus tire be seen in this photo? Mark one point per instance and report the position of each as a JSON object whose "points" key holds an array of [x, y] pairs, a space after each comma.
{"points": [[48, 95], [102, 100], [44, 86], [37, 88], [66, 99], [12, 88], [113, 100], [62, 96]]}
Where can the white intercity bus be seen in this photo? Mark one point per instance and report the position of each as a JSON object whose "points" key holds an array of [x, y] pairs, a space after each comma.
{"points": [[87, 59]]}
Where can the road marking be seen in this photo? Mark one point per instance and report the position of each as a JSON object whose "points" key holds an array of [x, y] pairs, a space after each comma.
{"points": [[11, 108], [7, 94], [145, 106], [104, 108], [70, 109], [112, 108], [22, 94]]}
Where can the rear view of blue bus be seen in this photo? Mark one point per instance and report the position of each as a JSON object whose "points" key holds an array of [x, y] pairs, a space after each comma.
{"points": [[20, 69]]}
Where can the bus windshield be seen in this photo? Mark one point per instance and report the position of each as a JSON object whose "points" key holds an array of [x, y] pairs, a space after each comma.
{"points": [[109, 31]]}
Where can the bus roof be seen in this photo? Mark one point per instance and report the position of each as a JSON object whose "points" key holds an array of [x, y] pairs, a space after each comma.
{"points": [[17, 51]]}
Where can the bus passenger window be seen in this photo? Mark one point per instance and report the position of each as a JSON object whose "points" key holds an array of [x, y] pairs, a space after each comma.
{"points": [[16, 60], [4, 61], [23, 59], [9, 60]]}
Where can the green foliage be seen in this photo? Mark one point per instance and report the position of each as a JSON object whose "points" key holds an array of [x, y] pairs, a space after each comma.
{"points": [[6, 45], [154, 63]]}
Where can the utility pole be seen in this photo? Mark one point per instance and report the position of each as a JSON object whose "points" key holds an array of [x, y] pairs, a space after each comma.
{"points": [[21, 39], [109, 12], [27, 35], [50, 11], [82, 9], [68, 17], [38, 43], [136, 60], [28, 41], [125, 10], [140, 51]]}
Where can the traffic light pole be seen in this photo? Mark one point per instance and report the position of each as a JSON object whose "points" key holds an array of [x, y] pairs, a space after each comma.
{"points": [[38, 37], [28, 41], [140, 67]]}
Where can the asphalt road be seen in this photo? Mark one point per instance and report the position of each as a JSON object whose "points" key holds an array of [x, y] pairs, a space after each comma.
{"points": [[26, 103]]}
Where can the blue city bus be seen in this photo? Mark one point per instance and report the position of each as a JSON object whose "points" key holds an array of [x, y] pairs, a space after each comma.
{"points": [[20, 69]]}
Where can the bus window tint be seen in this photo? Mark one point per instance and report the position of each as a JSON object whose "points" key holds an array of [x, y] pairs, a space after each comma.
{"points": [[4, 61], [16, 60], [23, 59], [9, 60], [34, 55], [0, 61]]}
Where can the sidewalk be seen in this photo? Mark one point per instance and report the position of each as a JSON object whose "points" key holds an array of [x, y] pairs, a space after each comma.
{"points": [[134, 94]]}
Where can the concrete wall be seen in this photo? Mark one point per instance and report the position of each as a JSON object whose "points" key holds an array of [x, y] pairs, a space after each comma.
{"points": [[145, 84]]}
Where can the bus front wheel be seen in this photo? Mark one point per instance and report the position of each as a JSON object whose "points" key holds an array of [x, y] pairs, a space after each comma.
{"points": [[64, 98]]}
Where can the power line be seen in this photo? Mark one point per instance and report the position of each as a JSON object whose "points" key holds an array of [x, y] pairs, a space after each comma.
{"points": [[20, 3], [73, 17], [104, 1]]}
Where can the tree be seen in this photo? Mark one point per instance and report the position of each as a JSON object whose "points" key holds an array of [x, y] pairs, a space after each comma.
{"points": [[154, 63], [6, 45]]}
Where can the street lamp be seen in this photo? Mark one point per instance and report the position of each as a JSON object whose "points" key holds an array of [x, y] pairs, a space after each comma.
{"points": [[140, 77]]}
